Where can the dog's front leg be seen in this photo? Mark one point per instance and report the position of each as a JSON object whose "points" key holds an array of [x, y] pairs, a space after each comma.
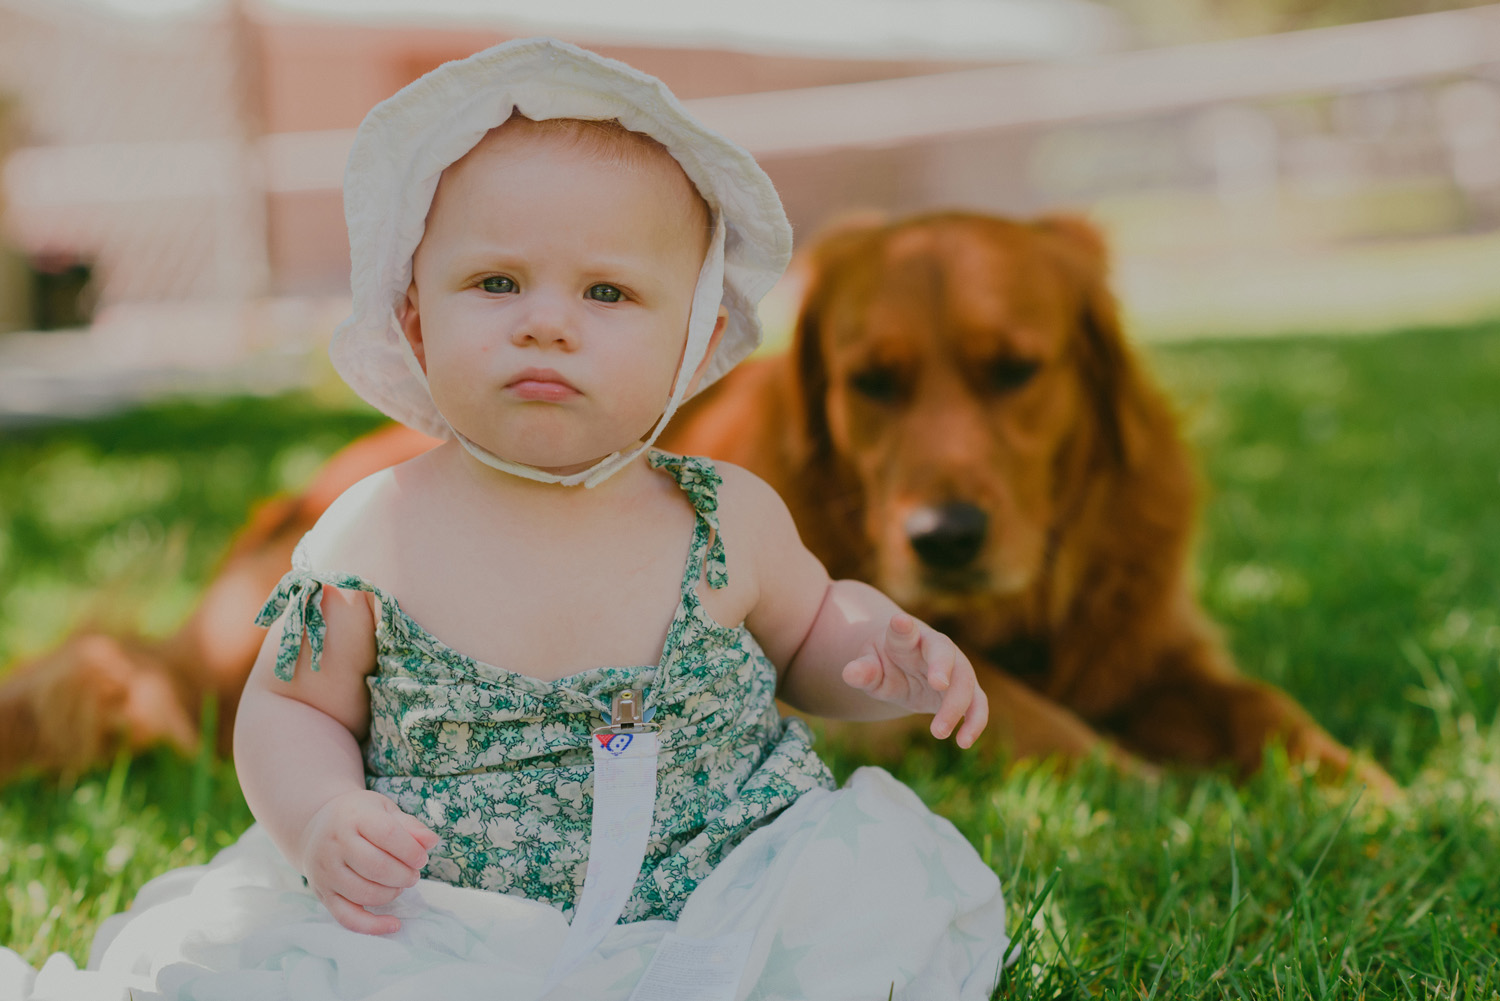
{"points": [[1026, 724], [1205, 720]]}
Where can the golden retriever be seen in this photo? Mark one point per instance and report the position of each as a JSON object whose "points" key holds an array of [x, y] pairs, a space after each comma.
{"points": [[961, 422]]}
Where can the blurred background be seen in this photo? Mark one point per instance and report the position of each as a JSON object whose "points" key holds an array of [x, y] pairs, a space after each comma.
{"points": [[171, 168]]}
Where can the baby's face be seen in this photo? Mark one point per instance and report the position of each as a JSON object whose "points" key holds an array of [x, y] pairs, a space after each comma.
{"points": [[550, 295]]}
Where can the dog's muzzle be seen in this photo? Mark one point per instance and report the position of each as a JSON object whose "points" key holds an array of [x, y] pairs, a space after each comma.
{"points": [[947, 536]]}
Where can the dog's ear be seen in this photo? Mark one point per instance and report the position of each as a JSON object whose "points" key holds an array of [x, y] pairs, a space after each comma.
{"points": [[1123, 399], [831, 251]]}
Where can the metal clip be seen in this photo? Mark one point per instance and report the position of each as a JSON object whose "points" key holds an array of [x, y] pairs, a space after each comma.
{"points": [[625, 710], [625, 713]]}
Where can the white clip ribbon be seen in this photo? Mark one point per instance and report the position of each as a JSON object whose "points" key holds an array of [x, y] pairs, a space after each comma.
{"points": [[694, 969], [624, 799], [683, 969]]}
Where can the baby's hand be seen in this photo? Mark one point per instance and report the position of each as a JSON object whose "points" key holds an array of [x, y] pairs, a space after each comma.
{"points": [[361, 850], [920, 669]]}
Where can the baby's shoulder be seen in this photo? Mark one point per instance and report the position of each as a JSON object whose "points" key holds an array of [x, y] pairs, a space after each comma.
{"points": [[750, 509], [353, 535], [739, 485]]}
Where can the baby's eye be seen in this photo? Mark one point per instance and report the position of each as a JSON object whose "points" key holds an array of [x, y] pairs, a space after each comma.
{"points": [[498, 284], [604, 293]]}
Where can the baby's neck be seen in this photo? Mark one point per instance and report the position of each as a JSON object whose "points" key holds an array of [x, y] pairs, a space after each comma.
{"points": [[520, 494]]}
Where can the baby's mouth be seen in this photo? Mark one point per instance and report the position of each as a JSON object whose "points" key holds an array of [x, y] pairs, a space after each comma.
{"points": [[543, 385]]}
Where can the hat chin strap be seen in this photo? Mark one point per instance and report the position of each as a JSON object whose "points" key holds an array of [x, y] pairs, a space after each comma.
{"points": [[704, 316]]}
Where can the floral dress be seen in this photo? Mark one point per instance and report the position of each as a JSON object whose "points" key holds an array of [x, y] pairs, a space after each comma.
{"points": [[499, 764]]}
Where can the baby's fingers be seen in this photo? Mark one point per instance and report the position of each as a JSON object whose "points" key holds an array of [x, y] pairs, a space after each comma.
{"points": [[424, 835], [975, 719], [941, 654], [356, 918], [903, 644], [864, 672], [398, 834], [381, 868], [959, 702]]}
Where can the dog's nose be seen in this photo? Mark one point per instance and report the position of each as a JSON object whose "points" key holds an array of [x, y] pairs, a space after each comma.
{"points": [[948, 536]]}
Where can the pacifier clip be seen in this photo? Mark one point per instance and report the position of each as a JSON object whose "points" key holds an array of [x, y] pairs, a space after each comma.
{"points": [[625, 754]]}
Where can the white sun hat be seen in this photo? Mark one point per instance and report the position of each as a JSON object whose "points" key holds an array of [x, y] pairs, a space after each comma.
{"points": [[406, 142]]}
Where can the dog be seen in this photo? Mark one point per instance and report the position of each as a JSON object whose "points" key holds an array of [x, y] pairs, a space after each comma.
{"points": [[959, 421]]}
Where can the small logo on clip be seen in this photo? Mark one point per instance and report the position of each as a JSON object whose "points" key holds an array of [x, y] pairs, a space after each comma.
{"points": [[614, 743]]}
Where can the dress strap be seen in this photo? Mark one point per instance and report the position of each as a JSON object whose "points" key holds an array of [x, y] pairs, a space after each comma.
{"points": [[301, 591], [700, 481]]}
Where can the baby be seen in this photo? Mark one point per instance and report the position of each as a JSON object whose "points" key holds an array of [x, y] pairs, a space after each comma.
{"points": [[538, 665], [548, 310]]}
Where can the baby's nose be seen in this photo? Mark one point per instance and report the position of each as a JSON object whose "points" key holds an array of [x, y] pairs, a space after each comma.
{"points": [[544, 323]]}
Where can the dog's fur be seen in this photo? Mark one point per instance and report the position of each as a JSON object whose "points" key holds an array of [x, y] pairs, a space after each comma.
{"points": [[959, 386]]}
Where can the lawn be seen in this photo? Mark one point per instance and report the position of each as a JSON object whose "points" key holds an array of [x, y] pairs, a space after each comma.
{"points": [[1350, 548]]}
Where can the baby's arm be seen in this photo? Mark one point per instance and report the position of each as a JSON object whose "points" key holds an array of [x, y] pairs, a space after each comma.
{"points": [[296, 748], [844, 649]]}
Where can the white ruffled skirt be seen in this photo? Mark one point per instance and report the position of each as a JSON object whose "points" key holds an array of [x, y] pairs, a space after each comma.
{"points": [[847, 894]]}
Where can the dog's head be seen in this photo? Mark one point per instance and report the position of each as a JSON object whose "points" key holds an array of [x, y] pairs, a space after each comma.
{"points": [[969, 376]]}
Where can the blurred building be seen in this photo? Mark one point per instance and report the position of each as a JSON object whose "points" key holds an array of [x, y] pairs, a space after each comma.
{"points": [[201, 155], [187, 162]]}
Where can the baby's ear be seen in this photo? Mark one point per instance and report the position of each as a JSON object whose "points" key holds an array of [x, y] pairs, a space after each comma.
{"points": [[411, 324]]}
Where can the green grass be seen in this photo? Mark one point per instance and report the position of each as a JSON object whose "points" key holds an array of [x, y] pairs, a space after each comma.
{"points": [[1353, 534], [122, 519], [1350, 548]]}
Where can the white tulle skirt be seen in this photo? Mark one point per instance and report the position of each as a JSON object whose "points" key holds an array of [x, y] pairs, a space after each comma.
{"points": [[848, 894]]}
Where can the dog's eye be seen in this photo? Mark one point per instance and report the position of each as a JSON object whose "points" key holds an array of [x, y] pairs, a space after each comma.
{"points": [[1011, 373], [878, 384]]}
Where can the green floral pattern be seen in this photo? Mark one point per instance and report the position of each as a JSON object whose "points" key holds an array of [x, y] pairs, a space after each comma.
{"points": [[499, 764]]}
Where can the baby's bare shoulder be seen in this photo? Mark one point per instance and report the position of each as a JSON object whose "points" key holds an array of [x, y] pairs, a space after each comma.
{"points": [[753, 514], [788, 581], [743, 488], [355, 532]]}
